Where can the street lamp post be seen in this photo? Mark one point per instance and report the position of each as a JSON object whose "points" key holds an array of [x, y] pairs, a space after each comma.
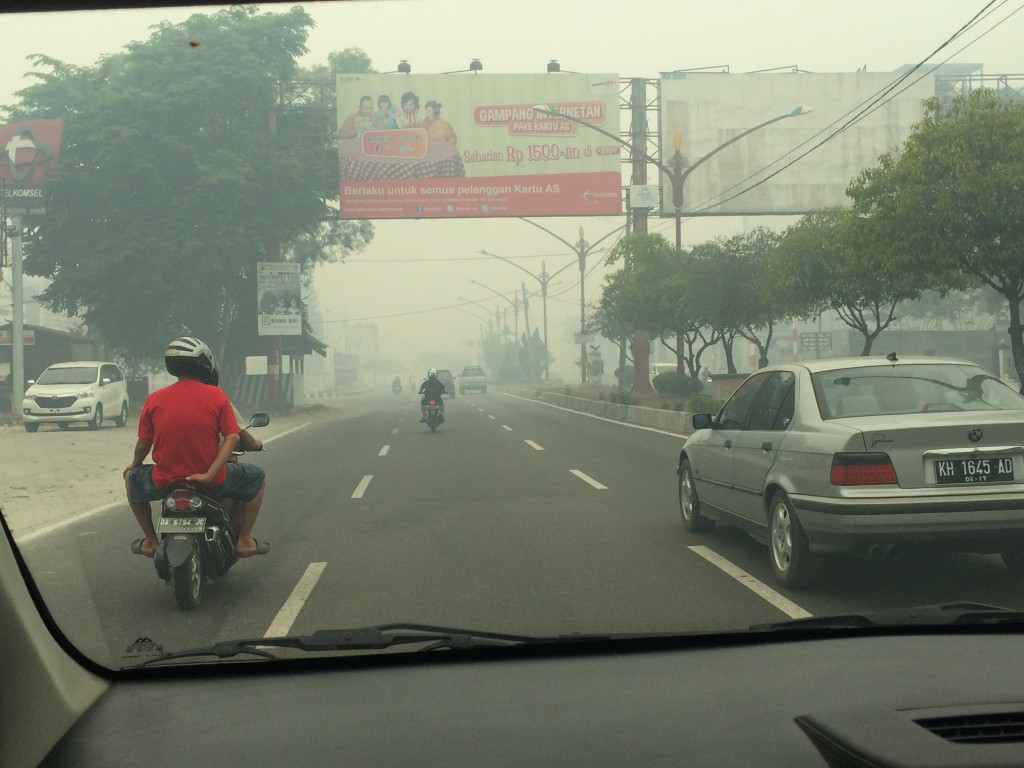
{"points": [[678, 172], [516, 302], [581, 248], [544, 279]]}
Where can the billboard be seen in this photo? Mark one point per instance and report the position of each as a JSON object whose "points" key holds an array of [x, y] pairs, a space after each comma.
{"points": [[279, 297], [29, 156], [473, 145], [707, 110]]}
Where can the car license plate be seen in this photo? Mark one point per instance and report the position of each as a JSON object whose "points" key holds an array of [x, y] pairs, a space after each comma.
{"points": [[992, 469], [181, 525]]}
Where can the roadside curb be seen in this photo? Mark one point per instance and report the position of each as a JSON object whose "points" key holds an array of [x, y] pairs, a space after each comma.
{"points": [[656, 418]]}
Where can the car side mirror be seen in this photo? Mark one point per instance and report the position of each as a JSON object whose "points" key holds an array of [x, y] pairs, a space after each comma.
{"points": [[702, 420], [30, 382], [104, 381], [259, 420]]}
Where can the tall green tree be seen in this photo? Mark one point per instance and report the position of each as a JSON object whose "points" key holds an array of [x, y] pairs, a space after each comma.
{"points": [[834, 259], [953, 200], [179, 174]]}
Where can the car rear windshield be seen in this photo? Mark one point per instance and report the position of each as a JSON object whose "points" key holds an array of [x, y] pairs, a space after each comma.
{"points": [[475, 371], [78, 375], [896, 389]]}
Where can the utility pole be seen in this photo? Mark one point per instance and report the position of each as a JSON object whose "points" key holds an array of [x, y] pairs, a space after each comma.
{"points": [[17, 320], [637, 139]]}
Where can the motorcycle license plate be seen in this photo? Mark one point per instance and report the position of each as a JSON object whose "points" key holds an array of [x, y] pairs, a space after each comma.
{"points": [[181, 525]]}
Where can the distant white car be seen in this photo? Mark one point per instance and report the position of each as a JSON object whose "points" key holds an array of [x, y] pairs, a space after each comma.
{"points": [[473, 378], [85, 391]]}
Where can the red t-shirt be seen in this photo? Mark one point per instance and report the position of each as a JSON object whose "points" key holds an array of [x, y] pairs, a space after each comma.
{"points": [[185, 421]]}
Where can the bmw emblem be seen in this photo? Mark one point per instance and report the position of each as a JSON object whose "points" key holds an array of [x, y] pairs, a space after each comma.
{"points": [[975, 434]]}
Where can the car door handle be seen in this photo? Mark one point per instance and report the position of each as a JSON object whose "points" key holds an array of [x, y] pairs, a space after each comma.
{"points": [[766, 447]]}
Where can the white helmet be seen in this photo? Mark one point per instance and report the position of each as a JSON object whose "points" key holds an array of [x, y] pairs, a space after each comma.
{"points": [[189, 356], [432, 373]]}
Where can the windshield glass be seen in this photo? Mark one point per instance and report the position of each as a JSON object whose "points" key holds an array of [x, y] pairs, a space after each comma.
{"points": [[593, 222], [887, 390], [84, 375]]}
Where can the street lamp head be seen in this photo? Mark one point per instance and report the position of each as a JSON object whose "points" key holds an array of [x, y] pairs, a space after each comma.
{"points": [[404, 67], [553, 66], [475, 65], [801, 110]]}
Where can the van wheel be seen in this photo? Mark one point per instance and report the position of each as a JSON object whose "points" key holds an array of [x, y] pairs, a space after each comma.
{"points": [[31, 427], [97, 420], [122, 418]]}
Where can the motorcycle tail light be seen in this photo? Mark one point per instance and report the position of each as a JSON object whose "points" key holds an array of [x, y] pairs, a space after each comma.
{"points": [[183, 500], [433, 402], [863, 469]]}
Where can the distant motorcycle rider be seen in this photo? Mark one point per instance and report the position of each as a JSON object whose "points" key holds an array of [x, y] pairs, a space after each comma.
{"points": [[431, 388], [396, 385]]}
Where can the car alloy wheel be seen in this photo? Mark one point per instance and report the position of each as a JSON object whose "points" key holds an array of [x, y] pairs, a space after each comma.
{"points": [[122, 418], [791, 558], [689, 504], [97, 419]]}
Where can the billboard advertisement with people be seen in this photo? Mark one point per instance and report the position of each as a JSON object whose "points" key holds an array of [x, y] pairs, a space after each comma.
{"points": [[476, 145]]}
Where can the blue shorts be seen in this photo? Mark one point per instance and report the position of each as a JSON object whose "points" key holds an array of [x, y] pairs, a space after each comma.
{"points": [[243, 482]]}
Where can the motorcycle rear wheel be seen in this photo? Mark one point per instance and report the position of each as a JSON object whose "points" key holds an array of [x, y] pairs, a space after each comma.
{"points": [[189, 580]]}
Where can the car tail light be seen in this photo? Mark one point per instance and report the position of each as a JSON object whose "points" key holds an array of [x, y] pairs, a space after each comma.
{"points": [[863, 469]]}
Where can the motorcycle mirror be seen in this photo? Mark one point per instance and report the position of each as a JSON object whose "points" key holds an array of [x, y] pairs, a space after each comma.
{"points": [[259, 420]]}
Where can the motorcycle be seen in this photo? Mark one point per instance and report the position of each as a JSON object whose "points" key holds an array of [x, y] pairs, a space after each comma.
{"points": [[396, 387], [197, 542], [434, 417]]}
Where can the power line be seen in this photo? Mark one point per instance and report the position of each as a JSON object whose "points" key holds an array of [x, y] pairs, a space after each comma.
{"points": [[867, 107]]}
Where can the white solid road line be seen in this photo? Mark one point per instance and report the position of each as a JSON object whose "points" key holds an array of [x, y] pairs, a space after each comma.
{"points": [[533, 445], [759, 588], [384, 450], [282, 623], [589, 480], [286, 432], [361, 488]]}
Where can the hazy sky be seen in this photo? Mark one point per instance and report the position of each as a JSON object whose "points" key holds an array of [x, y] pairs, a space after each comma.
{"points": [[416, 266]]}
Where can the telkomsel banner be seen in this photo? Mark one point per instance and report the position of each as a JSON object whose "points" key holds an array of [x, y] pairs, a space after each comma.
{"points": [[29, 154], [477, 145]]}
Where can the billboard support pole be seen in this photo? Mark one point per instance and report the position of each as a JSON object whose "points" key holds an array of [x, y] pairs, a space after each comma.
{"points": [[17, 321]]}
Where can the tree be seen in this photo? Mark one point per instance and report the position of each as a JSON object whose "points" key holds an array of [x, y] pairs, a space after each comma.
{"points": [[641, 296], [178, 177], [952, 199], [834, 259], [757, 304]]}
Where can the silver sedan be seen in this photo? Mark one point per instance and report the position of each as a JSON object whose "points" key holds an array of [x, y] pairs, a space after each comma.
{"points": [[869, 456]]}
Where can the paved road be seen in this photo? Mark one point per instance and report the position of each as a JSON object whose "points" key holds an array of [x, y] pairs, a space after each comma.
{"points": [[514, 516]]}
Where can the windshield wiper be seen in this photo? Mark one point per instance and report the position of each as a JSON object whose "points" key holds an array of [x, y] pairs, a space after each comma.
{"points": [[361, 639], [944, 614]]}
